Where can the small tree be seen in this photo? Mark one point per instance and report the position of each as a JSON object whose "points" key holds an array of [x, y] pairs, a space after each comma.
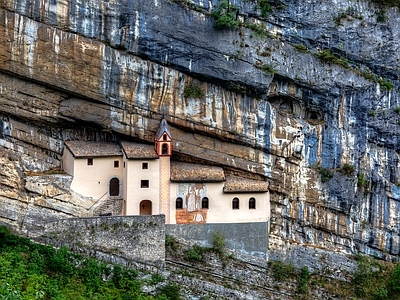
{"points": [[225, 16]]}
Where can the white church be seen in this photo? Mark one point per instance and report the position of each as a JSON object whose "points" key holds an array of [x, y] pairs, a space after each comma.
{"points": [[144, 180]]}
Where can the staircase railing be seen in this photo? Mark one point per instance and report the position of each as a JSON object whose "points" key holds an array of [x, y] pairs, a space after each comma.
{"points": [[97, 201]]}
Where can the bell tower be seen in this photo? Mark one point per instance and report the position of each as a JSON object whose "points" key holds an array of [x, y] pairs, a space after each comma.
{"points": [[163, 141], [163, 147]]}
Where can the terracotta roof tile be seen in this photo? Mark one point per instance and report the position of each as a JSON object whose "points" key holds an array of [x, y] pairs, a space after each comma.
{"points": [[235, 184], [93, 149], [135, 150], [185, 172]]}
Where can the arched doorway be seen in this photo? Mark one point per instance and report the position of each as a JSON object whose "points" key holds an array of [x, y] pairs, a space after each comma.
{"points": [[113, 188], [145, 208]]}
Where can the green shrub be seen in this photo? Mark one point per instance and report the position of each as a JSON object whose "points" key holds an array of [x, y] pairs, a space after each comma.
{"points": [[326, 174], [361, 180], [171, 291], [264, 6], [301, 48], [259, 29], [327, 56], [385, 84], [219, 244], [156, 278], [269, 70], [348, 169], [61, 262], [387, 2], [394, 283], [303, 278], [225, 16], [367, 74], [397, 109], [381, 15], [193, 91], [281, 271], [171, 243], [195, 253]]}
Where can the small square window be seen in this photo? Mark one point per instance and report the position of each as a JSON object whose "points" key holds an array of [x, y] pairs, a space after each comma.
{"points": [[144, 184], [90, 161], [145, 166], [116, 164]]}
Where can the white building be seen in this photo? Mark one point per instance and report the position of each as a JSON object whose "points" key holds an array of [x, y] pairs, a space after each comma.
{"points": [[145, 181]]}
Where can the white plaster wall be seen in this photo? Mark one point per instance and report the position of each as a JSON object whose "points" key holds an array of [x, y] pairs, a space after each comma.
{"points": [[134, 193], [68, 162], [92, 181], [220, 205]]}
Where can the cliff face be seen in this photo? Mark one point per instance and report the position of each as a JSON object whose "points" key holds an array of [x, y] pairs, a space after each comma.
{"points": [[103, 70]]}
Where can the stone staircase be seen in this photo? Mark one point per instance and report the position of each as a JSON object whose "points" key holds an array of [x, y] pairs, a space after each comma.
{"points": [[109, 207]]}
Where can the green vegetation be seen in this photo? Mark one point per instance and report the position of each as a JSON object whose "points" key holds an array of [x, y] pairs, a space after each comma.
{"points": [[327, 56], [259, 29], [264, 6], [361, 180], [34, 271], [269, 70], [219, 245], [326, 174], [196, 253], [280, 270], [385, 84], [397, 109], [171, 243], [376, 279], [193, 91], [301, 48], [388, 3], [348, 169], [349, 14], [367, 74], [225, 16], [381, 15], [302, 280]]}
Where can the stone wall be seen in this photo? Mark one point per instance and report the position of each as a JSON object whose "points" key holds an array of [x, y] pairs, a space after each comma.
{"points": [[249, 241], [129, 241]]}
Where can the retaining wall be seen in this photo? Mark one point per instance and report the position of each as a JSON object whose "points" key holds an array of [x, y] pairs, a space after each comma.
{"points": [[125, 240]]}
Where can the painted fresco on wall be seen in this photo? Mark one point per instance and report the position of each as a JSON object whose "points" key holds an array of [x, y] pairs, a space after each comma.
{"points": [[191, 195]]}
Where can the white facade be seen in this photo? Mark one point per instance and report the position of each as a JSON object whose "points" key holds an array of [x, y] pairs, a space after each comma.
{"points": [[220, 205], [141, 176], [135, 191]]}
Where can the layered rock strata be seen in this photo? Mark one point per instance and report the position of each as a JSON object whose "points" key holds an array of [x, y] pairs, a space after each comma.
{"points": [[103, 70]]}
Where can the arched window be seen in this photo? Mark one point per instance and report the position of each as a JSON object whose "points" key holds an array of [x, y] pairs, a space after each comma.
{"points": [[252, 203], [164, 137], [235, 203], [179, 203], [164, 149], [204, 203], [113, 188]]}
